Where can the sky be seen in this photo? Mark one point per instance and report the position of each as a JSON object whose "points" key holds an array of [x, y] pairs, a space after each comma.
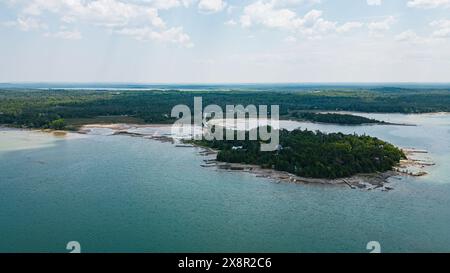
{"points": [[225, 41]]}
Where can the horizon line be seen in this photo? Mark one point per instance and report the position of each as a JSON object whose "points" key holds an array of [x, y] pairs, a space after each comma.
{"points": [[218, 83]]}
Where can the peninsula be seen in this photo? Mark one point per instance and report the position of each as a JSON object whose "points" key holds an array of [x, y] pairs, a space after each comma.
{"points": [[312, 154]]}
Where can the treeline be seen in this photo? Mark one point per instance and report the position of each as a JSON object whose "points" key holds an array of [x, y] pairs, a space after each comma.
{"points": [[39, 108], [313, 154], [333, 118]]}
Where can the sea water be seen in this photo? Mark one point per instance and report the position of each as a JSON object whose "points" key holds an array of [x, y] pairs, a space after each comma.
{"points": [[127, 194]]}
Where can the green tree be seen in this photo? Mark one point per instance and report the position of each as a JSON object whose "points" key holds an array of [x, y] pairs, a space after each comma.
{"points": [[57, 124]]}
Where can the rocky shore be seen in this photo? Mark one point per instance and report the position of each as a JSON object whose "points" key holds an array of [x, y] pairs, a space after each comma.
{"points": [[412, 166], [366, 181]]}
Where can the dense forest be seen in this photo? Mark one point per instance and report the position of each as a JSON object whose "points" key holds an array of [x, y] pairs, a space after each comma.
{"points": [[69, 108], [333, 118], [313, 154]]}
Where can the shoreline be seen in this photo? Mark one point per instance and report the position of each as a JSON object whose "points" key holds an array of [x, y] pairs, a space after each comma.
{"points": [[367, 181], [351, 125], [124, 126], [56, 133]]}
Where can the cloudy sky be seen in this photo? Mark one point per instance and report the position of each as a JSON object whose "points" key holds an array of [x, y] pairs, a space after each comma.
{"points": [[203, 41]]}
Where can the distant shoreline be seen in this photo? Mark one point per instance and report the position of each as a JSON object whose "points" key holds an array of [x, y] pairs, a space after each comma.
{"points": [[145, 85], [349, 125]]}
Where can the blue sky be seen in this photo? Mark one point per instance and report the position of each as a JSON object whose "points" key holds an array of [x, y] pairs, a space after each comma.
{"points": [[206, 41]]}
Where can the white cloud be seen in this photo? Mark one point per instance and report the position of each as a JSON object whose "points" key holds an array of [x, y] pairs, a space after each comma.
{"points": [[349, 26], [428, 4], [382, 25], [26, 23], [230, 23], [109, 13], [443, 28], [65, 34], [164, 4], [312, 24], [290, 3], [374, 2], [211, 6], [172, 35], [410, 36], [265, 14], [114, 15], [168, 4]]}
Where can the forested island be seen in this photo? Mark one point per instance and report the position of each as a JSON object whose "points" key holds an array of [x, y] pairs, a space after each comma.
{"points": [[333, 118], [312, 154], [70, 109]]}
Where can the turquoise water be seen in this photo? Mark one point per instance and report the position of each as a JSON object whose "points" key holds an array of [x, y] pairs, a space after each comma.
{"points": [[124, 194]]}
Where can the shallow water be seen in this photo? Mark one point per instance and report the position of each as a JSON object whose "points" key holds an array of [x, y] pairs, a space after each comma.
{"points": [[119, 193]]}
